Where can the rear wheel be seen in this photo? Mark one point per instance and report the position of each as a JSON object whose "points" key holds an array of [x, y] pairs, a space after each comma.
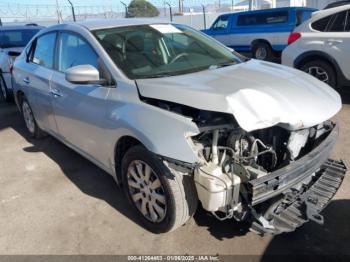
{"points": [[322, 70], [29, 120], [262, 51], [163, 198]]}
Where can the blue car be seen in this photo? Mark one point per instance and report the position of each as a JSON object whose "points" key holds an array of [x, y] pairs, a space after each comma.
{"points": [[262, 32]]}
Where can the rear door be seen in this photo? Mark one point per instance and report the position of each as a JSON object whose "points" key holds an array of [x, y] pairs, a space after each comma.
{"points": [[80, 109], [337, 40], [34, 76]]}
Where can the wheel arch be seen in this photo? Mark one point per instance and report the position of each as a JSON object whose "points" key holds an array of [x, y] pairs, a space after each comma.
{"points": [[18, 99], [319, 55], [122, 145], [260, 40]]}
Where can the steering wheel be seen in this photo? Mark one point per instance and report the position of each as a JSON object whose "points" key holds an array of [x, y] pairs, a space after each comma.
{"points": [[178, 57]]}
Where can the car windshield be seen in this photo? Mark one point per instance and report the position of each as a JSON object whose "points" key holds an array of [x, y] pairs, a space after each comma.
{"points": [[16, 38], [160, 50]]}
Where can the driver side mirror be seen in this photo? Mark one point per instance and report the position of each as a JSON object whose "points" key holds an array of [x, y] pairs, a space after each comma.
{"points": [[83, 74]]}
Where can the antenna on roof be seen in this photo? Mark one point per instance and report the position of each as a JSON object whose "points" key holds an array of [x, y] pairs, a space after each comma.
{"points": [[73, 13]]}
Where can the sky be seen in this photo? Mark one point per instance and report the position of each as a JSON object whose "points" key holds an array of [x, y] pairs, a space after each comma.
{"points": [[27, 10], [105, 2]]}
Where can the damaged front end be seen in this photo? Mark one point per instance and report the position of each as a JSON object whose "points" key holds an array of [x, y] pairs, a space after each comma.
{"points": [[275, 178]]}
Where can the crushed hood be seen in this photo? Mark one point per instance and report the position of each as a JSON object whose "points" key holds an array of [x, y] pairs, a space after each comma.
{"points": [[258, 94]]}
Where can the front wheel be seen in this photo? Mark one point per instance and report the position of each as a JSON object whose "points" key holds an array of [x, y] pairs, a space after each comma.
{"points": [[322, 70], [163, 198]]}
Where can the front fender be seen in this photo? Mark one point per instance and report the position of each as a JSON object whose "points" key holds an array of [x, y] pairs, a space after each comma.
{"points": [[161, 132]]}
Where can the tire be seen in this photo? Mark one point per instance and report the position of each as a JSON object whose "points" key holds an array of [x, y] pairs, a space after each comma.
{"points": [[29, 120], [4, 91], [322, 70], [179, 197], [262, 51]]}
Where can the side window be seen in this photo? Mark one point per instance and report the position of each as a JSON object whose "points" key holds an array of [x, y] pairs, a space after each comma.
{"points": [[347, 26], [275, 18], [247, 20], [299, 17], [321, 25], [338, 22], [263, 19], [43, 51], [221, 23], [73, 51], [302, 16]]}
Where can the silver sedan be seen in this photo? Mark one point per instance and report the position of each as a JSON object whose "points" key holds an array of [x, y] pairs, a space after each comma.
{"points": [[176, 117]]}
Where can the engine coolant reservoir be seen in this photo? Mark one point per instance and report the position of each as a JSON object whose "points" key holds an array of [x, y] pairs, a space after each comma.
{"points": [[215, 189]]}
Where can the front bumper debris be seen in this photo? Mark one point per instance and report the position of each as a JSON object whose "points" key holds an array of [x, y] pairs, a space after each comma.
{"points": [[298, 207], [277, 182]]}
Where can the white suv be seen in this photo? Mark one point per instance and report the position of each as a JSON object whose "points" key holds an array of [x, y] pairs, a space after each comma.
{"points": [[321, 46]]}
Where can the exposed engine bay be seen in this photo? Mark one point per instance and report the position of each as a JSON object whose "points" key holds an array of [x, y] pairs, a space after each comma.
{"points": [[233, 157], [254, 175]]}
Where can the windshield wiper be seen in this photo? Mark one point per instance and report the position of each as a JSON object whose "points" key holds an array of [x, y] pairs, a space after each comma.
{"points": [[224, 64], [156, 75]]}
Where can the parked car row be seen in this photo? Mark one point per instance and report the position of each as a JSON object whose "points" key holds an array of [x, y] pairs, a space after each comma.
{"points": [[321, 46], [12, 41], [262, 32], [317, 42], [178, 119]]}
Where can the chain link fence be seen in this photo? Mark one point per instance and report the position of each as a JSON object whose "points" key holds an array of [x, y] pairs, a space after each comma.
{"points": [[199, 14]]}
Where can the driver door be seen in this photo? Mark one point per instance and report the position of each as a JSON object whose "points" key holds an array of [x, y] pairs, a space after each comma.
{"points": [[80, 109], [221, 30]]}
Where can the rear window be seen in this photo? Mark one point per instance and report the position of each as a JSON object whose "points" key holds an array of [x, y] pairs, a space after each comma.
{"points": [[16, 38], [338, 23], [263, 19], [331, 23], [321, 24]]}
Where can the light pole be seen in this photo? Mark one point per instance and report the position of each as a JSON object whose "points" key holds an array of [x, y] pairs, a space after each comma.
{"points": [[204, 17], [171, 11], [181, 6], [58, 12], [73, 13], [126, 9]]}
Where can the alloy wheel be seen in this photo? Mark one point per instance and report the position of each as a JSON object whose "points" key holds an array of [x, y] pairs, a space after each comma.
{"points": [[28, 117], [261, 53], [319, 73], [146, 191]]}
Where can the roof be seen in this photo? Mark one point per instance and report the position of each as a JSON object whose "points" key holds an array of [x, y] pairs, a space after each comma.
{"points": [[330, 11], [339, 3], [272, 10], [108, 23]]}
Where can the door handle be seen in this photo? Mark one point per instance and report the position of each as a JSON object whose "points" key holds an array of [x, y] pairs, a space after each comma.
{"points": [[26, 80], [336, 41], [56, 93]]}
